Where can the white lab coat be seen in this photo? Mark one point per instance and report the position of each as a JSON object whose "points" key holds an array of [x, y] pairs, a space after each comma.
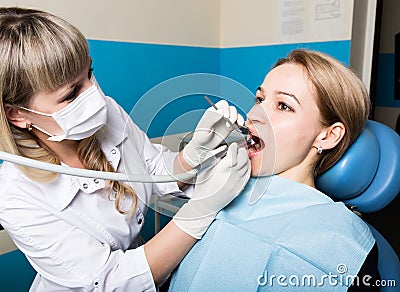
{"points": [[71, 232]]}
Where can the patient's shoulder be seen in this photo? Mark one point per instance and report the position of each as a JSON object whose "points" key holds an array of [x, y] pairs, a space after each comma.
{"points": [[335, 218]]}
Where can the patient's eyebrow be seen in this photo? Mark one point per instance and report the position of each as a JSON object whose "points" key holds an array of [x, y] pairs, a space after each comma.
{"points": [[288, 94]]}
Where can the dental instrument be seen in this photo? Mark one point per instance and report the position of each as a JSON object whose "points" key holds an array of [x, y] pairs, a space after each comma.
{"points": [[145, 178], [241, 129]]}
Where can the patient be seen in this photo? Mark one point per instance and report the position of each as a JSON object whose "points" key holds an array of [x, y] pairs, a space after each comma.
{"points": [[282, 233]]}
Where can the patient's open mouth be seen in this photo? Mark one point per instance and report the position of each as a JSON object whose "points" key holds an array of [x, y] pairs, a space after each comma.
{"points": [[254, 143]]}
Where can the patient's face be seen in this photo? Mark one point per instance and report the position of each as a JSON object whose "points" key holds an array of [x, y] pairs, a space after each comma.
{"points": [[287, 120]]}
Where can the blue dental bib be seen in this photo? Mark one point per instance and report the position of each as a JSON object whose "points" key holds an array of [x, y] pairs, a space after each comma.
{"points": [[293, 238]]}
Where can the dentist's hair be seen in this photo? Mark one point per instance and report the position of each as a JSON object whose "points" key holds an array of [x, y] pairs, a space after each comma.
{"points": [[340, 96], [40, 52]]}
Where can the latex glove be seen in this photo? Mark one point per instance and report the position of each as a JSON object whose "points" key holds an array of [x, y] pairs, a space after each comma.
{"points": [[211, 131], [214, 189]]}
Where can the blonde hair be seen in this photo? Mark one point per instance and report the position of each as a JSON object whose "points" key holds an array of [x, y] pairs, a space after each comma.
{"points": [[40, 52], [340, 96]]}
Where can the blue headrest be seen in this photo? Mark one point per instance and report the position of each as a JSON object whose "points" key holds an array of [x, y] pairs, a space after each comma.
{"points": [[368, 174]]}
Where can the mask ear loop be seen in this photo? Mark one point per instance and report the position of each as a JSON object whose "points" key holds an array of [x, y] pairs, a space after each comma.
{"points": [[29, 126]]}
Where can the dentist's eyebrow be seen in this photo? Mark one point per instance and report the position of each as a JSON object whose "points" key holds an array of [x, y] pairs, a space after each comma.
{"points": [[288, 94], [261, 90]]}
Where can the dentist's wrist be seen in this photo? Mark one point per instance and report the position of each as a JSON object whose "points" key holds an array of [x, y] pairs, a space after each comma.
{"points": [[194, 154], [192, 222]]}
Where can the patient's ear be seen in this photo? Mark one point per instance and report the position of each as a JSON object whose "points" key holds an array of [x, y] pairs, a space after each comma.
{"points": [[330, 136], [15, 117]]}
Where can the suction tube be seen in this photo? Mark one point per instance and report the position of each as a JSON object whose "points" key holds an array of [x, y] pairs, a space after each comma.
{"points": [[209, 162], [145, 178]]}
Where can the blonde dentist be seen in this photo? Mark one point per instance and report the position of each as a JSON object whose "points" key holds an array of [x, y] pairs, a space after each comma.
{"points": [[82, 234]]}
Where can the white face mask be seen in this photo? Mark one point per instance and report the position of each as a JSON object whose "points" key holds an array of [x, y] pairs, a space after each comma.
{"points": [[80, 119]]}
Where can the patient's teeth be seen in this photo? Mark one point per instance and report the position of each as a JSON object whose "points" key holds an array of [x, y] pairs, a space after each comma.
{"points": [[250, 142], [254, 143]]}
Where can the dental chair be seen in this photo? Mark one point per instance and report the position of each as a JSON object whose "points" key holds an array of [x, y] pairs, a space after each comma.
{"points": [[367, 179]]}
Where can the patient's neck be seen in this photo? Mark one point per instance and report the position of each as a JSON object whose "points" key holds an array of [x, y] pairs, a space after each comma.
{"points": [[303, 177]]}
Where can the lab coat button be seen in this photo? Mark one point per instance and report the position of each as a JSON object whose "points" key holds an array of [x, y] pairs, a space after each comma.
{"points": [[96, 181], [113, 151], [85, 186]]}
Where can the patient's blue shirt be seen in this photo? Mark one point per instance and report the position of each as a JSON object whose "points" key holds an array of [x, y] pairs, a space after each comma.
{"points": [[293, 238]]}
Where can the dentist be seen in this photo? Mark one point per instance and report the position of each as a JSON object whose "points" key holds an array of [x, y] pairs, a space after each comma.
{"points": [[83, 234]]}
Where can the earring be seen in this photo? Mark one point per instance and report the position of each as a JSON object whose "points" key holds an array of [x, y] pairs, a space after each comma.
{"points": [[28, 126], [319, 150]]}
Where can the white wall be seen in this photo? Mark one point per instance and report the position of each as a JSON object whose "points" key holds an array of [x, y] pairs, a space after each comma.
{"points": [[205, 23], [177, 22], [362, 43], [6, 244], [261, 22]]}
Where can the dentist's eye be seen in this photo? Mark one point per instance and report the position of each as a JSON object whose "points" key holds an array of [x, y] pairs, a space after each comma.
{"points": [[71, 96], [284, 107], [259, 100], [90, 73]]}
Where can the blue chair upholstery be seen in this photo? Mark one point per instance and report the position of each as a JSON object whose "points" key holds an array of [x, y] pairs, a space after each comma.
{"points": [[367, 178]]}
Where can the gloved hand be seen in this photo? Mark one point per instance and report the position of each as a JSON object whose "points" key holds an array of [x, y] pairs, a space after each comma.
{"points": [[211, 131], [214, 189]]}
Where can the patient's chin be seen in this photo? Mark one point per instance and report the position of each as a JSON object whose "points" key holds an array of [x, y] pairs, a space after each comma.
{"points": [[262, 164], [255, 167]]}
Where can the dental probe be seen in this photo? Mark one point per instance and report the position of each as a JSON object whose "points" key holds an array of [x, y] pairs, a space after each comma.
{"points": [[117, 176], [241, 129], [250, 142]]}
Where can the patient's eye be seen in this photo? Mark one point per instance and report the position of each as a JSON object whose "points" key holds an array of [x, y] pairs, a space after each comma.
{"points": [[284, 107]]}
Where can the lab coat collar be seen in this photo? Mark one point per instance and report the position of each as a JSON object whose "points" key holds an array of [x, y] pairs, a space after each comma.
{"points": [[61, 191]]}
